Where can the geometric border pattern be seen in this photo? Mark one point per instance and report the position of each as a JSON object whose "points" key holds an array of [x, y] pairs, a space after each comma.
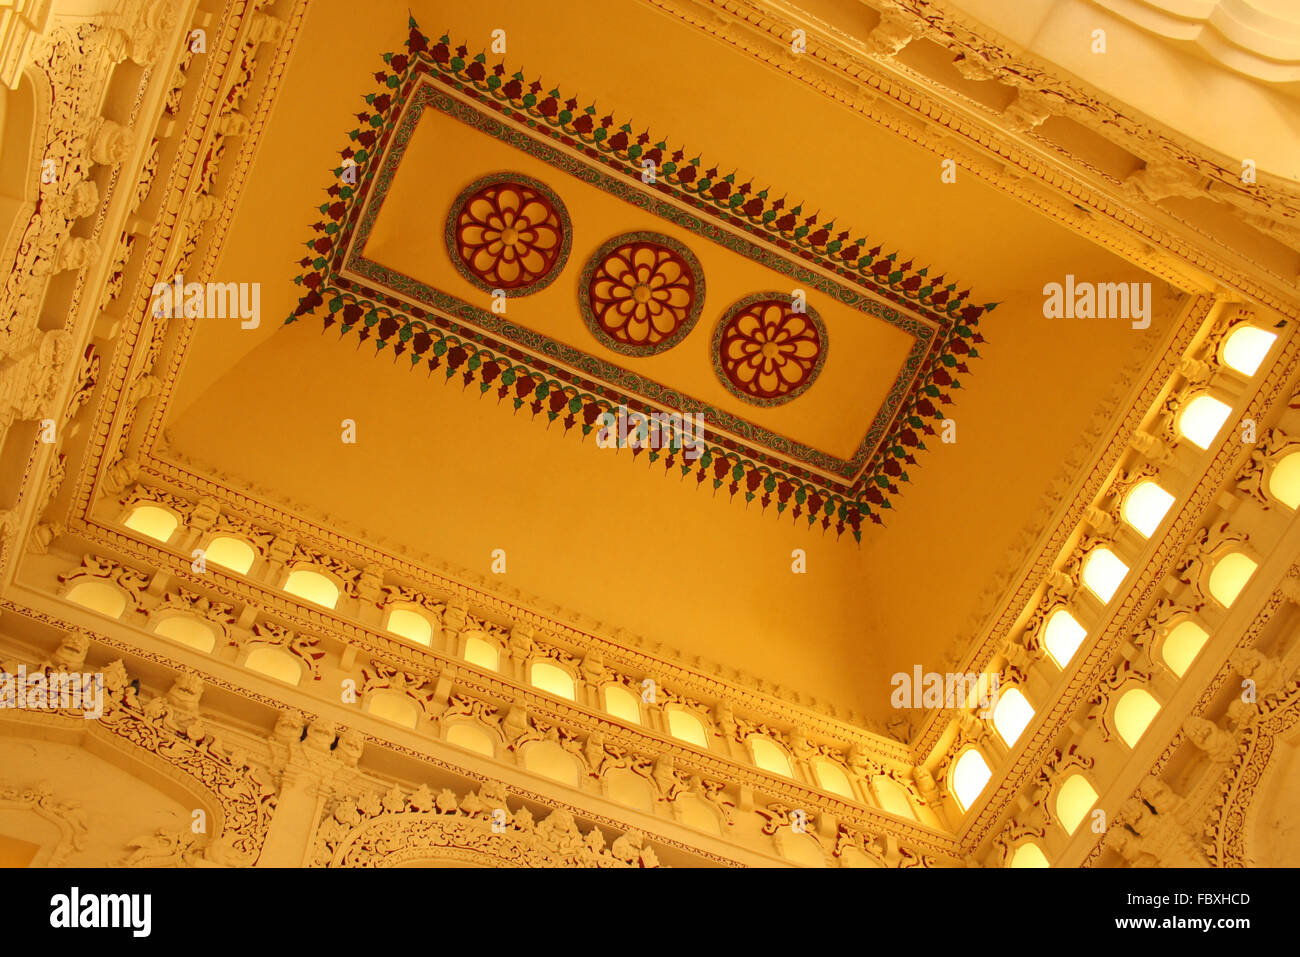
{"points": [[944, 317]]}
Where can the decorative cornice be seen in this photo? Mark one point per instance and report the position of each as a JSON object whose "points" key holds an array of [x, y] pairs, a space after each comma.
{"points": [[907, 103]]}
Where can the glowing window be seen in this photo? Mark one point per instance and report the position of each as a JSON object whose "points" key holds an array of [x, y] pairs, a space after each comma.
{"points": [[152, 521], [1230, 576], [479, 651], [98, 596], [686, 727], [1103, 572], [230, 553], [409, 624], [394, 707], [1201, 420], [768, 756], [1284, 483], [1145, 507], [188, 631], [969, 776], [274, 663], [1074, 801], [1029, 855], [1012, 715], [1134, 713], [892, 797], [471, 737], [1062, 636], [832, 778], [313, 587], [1182, 645], [552, 679], [622, 704], [1246, 348]]}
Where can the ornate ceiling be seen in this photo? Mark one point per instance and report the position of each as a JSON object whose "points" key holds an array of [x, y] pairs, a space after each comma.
{"points": [[474, 267], [479, 418], [905, 333]]}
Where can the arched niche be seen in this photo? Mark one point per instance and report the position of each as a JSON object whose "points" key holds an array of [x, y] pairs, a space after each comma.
{"points": [[629, 789], [275, 663], [694, 811], [395, 707], [801, 849], [551, 761], [471, 736], [184, 629]]}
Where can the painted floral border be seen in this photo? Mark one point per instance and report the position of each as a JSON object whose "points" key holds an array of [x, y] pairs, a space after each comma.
{"points": [[738, 205], [775, 450]]}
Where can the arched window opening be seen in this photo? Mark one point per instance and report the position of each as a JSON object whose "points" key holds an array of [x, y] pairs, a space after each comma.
{"points": [[1062, 636], [481, 652], [1181, 646], [1201, 420], [1246, 347], [230, 553], [1284, 483], [970, 774], [409, 624], [552, 679], [832, 778], [1229, 577], [394, 707], [686, 727], [1029, 854], [157, 523], [1073, 802], [1103, 573], [1012, 715], [312, 587], [622, 704], [471, 737], [768, 756], [1145, 507], [1134, 714]]}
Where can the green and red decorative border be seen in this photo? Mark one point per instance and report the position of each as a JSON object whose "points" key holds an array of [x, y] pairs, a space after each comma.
{"points": [[476, 357]]}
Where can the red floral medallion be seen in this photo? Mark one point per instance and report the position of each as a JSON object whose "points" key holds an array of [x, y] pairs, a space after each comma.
{"points": [[641, 293], [766, 352], [508, 232]]}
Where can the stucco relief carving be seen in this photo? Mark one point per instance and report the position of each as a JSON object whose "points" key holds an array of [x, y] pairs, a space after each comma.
{"points": [[170, 731], [68, 816], [1227, 835], [1148, 831], [480, 827]]}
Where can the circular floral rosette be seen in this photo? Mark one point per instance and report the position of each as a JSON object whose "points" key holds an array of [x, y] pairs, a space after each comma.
{"points": [[641, 293], [509, 232], [767, 353]]}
